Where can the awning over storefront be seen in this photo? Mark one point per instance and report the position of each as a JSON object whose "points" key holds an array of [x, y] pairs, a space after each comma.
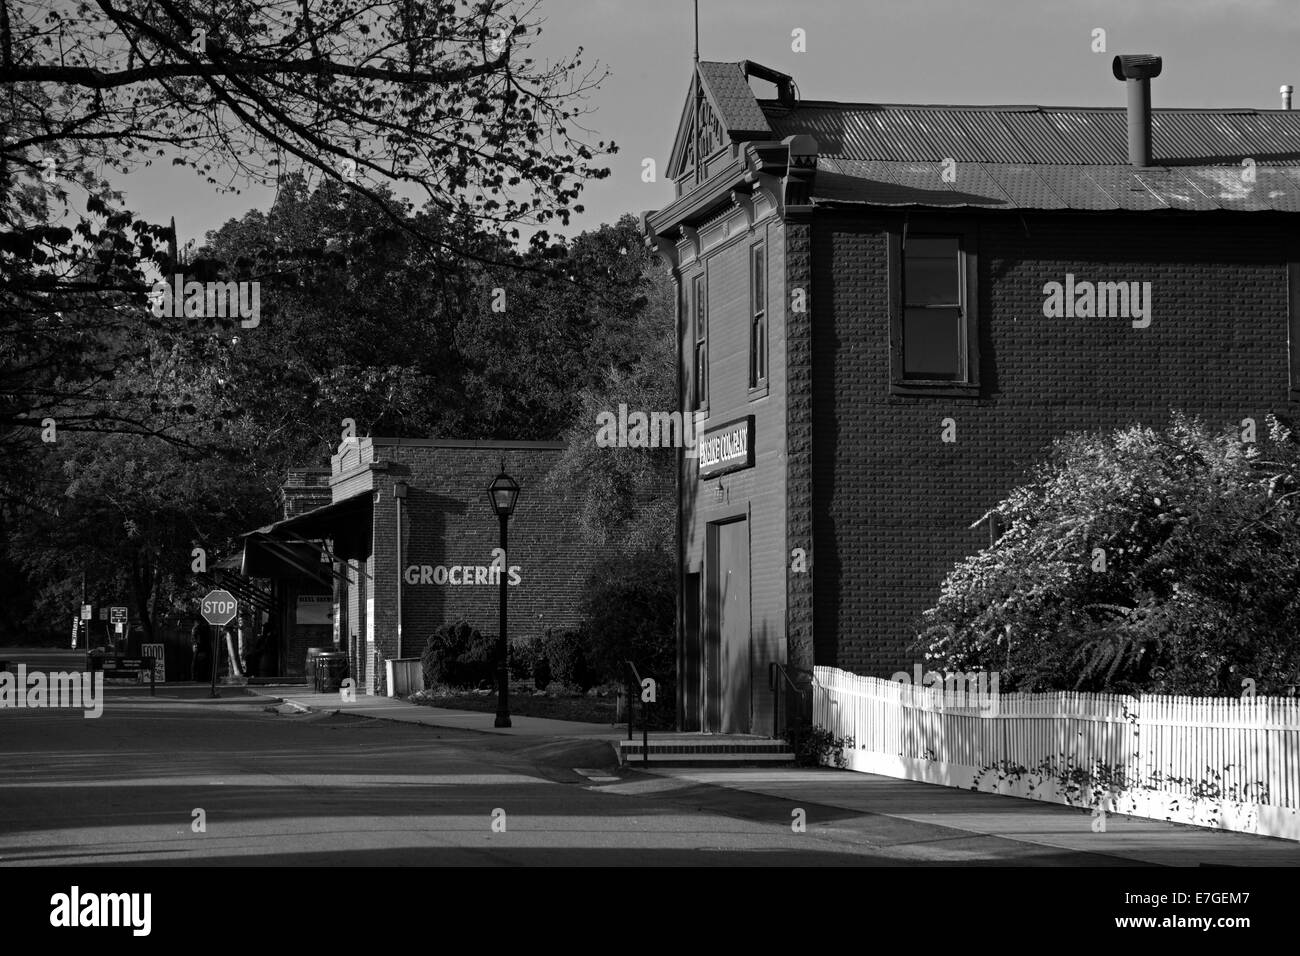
{"points": [[293, 548], [242, 588]]}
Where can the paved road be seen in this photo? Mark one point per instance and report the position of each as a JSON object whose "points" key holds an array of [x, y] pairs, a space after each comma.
{"points": [[321, 789]]}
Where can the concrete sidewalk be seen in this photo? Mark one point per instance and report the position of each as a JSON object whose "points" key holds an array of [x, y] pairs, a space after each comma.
{"points": [[834, 798], [1150, 842], [391, 708]]}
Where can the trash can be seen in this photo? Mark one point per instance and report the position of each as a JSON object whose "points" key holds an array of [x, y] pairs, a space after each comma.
{"points": [[310, 670], [331, 669]]}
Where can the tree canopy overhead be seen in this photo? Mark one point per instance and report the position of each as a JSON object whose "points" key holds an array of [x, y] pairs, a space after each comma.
{"points": [[438, 96], [412, 143], [389, 103]]}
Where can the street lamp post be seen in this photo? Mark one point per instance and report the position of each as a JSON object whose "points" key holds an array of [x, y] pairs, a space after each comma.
{"points": [[399, 495], [502, 495]]}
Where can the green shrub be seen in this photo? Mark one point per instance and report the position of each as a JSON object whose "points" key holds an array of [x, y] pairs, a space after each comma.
{"points": [[524, 652], [816, 746], [566, 658], [629, 612], [541, 671], [457, 655]]}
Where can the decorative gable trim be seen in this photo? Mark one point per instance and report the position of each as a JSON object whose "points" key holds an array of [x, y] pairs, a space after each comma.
{"points": [[720, 110]]}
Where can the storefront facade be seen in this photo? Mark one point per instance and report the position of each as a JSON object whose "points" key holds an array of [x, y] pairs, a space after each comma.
{"points": [[865, 323], [405, 524]]}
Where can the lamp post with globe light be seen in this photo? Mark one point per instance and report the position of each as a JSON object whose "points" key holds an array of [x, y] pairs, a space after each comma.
{"points": [[503, 493]]}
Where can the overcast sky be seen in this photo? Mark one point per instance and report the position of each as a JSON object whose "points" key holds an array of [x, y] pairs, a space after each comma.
{"points": [[1217, 53]]}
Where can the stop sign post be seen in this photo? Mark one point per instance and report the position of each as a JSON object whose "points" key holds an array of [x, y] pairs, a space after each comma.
{"points": [[219, 608]]}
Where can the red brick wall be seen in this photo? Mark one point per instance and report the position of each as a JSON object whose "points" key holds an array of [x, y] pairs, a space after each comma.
{"points": [[447, 521], [305, 489], [893, 505]]}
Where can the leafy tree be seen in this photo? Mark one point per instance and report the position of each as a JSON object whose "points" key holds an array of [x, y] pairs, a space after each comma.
{"points": [[629, 612], [628, 494], [371, 309], [368, 324], [133, 508], [437, 100], [438, 96], [1143, 560], [373, 326]]}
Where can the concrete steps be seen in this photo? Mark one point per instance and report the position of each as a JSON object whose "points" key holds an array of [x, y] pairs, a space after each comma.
{"points": [[705, 750]]}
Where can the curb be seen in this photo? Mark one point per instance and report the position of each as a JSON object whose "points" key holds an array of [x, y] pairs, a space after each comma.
{"points": [[304, 708], [540, 740]]}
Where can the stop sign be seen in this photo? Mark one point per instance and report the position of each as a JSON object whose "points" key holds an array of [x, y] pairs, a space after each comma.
{"points": [[219, 607]]}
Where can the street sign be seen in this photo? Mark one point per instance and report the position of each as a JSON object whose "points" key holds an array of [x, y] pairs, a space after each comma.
{"points": [[117, 615], [158, 653], [219, 607], [86, 612]]}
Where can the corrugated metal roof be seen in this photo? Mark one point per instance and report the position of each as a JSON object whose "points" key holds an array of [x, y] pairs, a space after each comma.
{"points": [[1034, 135], [1031, 157], [1097, 187], [1024, 157], [994, 143], [1100, 138]]}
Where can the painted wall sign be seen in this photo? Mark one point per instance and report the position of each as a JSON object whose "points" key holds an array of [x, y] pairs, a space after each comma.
{"points": [[728, 447], [460, 574]]}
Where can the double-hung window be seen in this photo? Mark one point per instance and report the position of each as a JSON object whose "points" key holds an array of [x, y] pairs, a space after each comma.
{"points": [[700, 311], [934, 334], [758, 315]]}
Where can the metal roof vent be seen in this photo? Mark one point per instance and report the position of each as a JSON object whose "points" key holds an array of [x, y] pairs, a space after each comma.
{"points": [[1136, 71]]}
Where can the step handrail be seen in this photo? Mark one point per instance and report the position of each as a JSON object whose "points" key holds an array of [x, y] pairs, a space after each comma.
{"points": [[633, 689], [778, 677]]}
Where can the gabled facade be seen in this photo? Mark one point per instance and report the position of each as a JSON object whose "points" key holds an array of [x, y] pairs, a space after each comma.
{"points": [[886, 314]]}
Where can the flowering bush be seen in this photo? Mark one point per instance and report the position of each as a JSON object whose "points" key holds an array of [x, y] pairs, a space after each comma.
{"points": [[1143, 560]]}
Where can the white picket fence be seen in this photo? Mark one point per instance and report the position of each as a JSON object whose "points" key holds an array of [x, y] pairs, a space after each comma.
{"points": [[1219, 762]]}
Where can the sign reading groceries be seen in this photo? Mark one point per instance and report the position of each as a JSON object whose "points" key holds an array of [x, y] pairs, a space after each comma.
{"points": [[727, 447]]}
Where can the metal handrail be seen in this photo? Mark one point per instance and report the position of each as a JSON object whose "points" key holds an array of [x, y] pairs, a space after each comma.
{"points": [[633, 693], [776, 674]]}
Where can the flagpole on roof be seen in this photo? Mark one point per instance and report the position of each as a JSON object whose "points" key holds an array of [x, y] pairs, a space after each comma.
{"points": [[699, 95]]}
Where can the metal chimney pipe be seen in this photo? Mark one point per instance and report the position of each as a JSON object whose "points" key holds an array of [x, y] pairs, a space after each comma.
{"points": [[1136, 71], [1287, 90]]}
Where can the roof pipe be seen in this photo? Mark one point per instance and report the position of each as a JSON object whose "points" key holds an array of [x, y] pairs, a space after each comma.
{"points": [[1136, 71], [1286, 91]]}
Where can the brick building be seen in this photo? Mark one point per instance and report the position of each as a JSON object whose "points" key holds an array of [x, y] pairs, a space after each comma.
{"points": [[338, 574], [859, 282]]}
